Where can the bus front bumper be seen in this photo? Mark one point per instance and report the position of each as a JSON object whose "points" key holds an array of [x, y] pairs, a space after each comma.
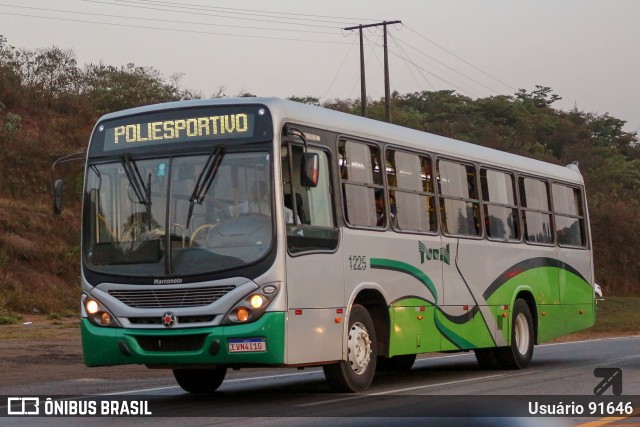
{"points": [[256, 343]]}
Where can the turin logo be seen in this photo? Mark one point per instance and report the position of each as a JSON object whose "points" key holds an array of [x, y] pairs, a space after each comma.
{"points": [[432, 254]]}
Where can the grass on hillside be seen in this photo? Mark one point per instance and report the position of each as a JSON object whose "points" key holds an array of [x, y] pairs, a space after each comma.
{"points": [[618, 315]]}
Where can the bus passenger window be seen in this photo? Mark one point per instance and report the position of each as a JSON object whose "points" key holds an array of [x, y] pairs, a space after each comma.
{"points": [[409, 178], [362, 188], [459, 204], [534, 196], [499, 203], [567, 205]]}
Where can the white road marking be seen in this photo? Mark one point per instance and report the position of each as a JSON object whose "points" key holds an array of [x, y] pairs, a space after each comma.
{"points": [[417, 361], [402, 390]]}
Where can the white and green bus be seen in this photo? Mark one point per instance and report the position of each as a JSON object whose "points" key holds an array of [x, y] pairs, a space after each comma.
{"points": [[232, 233]]}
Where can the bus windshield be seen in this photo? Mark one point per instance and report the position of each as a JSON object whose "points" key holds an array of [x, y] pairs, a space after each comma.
{"points": [[178, 215]]}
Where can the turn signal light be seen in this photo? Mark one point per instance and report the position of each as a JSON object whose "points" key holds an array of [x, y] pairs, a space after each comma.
{"points": [[242, 314], [105, 318]]}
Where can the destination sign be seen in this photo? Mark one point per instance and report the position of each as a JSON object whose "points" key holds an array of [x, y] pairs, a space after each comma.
{"points": [[130, 133]]}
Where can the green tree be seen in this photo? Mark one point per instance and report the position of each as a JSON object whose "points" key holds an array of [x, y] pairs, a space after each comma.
{"points": [[542, 96], [116, 88], [311, 100]]}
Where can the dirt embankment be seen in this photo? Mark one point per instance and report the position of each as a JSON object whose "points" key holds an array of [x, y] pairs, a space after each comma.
{"points": [[39, 349]]}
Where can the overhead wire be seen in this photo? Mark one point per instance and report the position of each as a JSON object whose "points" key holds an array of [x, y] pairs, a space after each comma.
{"points": [[146, 7], [173, 21], [403, 56], [460, 59], [468, 91], [464, 83], [246, 11], [172, 29], [272, 17], [339, 70], [448, 67]]}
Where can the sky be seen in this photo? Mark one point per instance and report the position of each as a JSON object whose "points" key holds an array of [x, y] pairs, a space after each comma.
{"points": [[586, 51]]}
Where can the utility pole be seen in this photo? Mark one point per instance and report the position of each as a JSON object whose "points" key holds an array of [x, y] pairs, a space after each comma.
{"points": [[363, 86]]}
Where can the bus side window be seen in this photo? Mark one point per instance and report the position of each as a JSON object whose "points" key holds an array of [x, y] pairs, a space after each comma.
{"points": [[499, 203], [363, 192], [459, 204], [409, 179], [567, 205], [308, 211], [534, 196]]}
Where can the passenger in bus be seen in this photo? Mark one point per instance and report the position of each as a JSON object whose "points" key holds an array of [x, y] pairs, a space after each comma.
{"points": [[380, 220]]}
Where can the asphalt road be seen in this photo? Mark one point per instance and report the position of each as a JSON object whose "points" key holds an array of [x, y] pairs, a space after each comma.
{"points": [[450, 386]]}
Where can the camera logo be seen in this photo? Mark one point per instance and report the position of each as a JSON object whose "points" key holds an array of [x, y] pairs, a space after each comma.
{"points": [[23, 406]]}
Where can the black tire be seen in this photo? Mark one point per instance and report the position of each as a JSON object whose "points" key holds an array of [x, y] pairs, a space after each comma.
{"points": [[356, 373], [401, 363], [200, 381], [519, 353]]}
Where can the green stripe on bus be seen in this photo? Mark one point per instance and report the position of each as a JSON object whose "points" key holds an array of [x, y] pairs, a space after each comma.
{"points": [[403, 267]]}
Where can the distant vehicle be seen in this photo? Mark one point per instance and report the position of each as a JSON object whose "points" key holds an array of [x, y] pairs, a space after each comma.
{"points": [[263, 232], [598, 290]]}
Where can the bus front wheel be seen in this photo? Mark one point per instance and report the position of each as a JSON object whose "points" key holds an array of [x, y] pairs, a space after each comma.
{"points": [[356, 373], [200, 381]]}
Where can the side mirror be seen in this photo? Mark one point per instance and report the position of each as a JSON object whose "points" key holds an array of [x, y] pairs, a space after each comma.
{"points": [[310, 170], [57, 196]]}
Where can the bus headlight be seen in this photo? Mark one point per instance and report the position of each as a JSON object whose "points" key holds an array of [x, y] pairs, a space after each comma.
{"points": [[97, 313], [252, 307], [256, 301]]}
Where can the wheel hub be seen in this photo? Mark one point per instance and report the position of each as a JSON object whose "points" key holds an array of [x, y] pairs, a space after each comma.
{"points": [[522, 333], [359, 346]]}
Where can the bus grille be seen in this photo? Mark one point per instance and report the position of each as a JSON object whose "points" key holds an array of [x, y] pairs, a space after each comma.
{"points": [[183, 320], [171, 298], [177, 343]]}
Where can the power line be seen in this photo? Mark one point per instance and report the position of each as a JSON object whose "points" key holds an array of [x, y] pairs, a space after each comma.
{"points": [[211, 14], [448, 67], [461, 59], [404, 55], [339, 70], [173, 21], [244, 11], [440, 78], [171, 29]]}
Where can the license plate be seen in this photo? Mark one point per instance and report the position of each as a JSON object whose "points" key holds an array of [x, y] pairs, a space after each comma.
{"points": [[245, 345]]}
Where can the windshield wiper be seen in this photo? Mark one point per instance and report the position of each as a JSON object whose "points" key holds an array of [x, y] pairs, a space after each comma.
{"points": [[205, 179], [135, 179], [142, 191]]}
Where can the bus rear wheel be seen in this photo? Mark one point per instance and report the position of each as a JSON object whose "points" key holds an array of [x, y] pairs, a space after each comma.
{"points": [[356, 373], [519, 353], [200, 381]]}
